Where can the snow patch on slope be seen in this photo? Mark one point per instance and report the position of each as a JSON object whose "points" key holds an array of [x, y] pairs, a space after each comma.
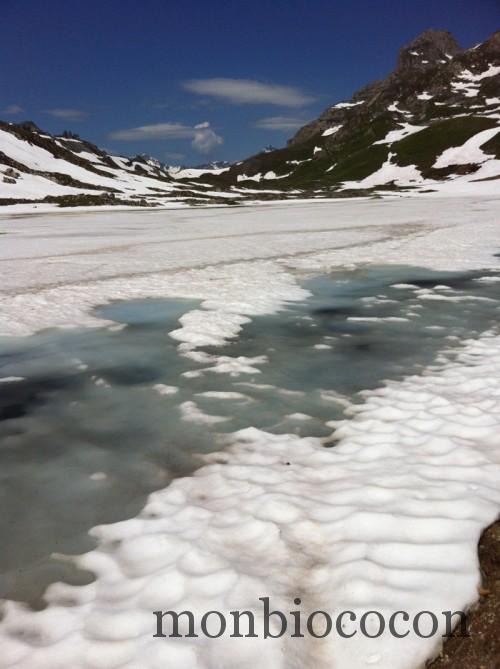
{"points": [[389, 172], [331, 131], [405, 130], [469, 152]]}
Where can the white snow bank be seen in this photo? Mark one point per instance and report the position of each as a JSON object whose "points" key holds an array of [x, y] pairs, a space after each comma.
{"points": [[405, 130], [389, 172], [468, 83], [387, 520], [331, 131], [194, 172], [33, 186], [467, 75], [245, 177], [394, 108], [346, 105], [469, 152], [468, 88], [39, 159]]}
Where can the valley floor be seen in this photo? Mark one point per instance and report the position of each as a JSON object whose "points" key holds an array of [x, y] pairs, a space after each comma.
{"points": [[388, 519], [56, 266]]}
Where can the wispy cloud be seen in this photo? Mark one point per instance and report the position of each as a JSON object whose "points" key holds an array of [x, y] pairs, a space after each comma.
{"points": [[67, 114], [280, 123], [203, 137], [12, 110], [249, 92], [155, 131]]}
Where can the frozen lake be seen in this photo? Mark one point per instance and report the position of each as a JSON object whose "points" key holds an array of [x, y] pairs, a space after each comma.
{"points": [[285, 399], [93, 420]]}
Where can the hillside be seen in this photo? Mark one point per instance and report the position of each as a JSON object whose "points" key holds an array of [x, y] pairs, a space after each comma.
{"points": [[435, 119], [64, 170]]}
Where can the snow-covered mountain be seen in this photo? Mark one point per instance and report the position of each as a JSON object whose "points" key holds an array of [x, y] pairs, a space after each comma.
{"points": [[433, 123], [36, 167]]}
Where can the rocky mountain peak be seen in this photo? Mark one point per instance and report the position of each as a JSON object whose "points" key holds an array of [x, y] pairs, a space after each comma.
{"points": [[431, 48], [493, 43], [29, 126]]}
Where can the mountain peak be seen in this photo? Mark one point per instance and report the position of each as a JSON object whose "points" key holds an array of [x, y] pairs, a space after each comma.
{"points": [[30, 126], [429, 49]]}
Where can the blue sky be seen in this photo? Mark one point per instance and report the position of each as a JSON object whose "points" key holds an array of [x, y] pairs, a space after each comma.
{"points": [[193, 80]]}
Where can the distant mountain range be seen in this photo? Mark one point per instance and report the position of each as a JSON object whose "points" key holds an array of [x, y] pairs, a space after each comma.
{"points": [[432, 124], [36, 167]]}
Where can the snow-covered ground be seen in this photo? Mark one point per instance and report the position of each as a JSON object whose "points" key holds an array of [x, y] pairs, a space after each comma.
{"points": [[387, 520], [56, 266]]}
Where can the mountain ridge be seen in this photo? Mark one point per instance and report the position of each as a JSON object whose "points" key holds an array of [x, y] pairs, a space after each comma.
{"points": [[428, 86], [432, 124]]}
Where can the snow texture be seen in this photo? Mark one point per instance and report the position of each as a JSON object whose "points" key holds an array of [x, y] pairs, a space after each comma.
{"points": [[389, 519]]}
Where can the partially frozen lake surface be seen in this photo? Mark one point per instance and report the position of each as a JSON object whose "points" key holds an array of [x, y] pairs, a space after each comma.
{"points": [[92, 420]]}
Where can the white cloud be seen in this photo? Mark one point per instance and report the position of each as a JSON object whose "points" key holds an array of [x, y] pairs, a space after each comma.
{"points": [[203, 137], [246, 91], [154, 131], [67, 114], [280, 123], [12, 110]]}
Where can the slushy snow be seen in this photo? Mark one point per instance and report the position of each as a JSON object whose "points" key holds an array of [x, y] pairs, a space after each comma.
{"points": [[389, 519]]}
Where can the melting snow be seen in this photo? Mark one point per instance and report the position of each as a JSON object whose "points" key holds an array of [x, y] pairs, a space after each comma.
{"points": [[345, 105], [424, 96], [467, 75], [388, 173], [405, 130], [331, 131], [254, 177], [388, 519], [394, 108], [469, 152]]}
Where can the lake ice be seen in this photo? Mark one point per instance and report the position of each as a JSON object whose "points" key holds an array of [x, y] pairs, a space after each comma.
{"points": [[94, 420]]}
